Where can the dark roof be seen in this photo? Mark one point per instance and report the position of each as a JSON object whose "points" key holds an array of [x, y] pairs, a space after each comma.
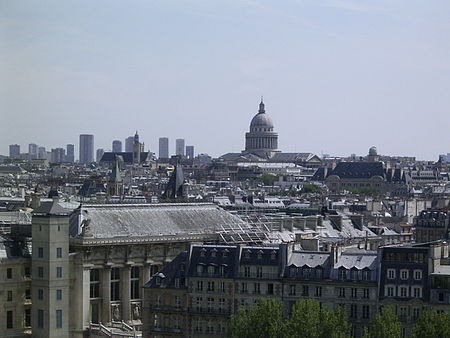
{"points": [[166, 278], [51, 208], [215, 256], [291, 157], [358, 170], [13, 248], [110, 157]]}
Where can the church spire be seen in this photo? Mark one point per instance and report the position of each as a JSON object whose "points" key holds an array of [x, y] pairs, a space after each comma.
{"points": [[261, 107]]}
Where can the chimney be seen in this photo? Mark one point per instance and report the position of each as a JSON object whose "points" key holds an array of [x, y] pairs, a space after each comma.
{"points": [[35, 200], [336, 220], [358, 221]]}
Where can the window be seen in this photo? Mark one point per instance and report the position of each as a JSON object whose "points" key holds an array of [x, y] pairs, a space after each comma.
{"points": [[40, 294], [40, 271], [199, 269], [221, 305], [354, 292], [157, 301], [366, 274], [259, 271], [134, 283], [198, 303], [222, 270], [58, 319], [199, 285], [257, 288], [95, 283], [177, 283], [244, 288], [391, 273], [225, 253], [58, 272], [27, 272], [441, 296], [213, 252], [40, 319], [222, 287], [27, 293], [9, 296], [403, 312], [417, 274], [366, 293], [177, 301], [210, 304], [58, 252], [27, 317], [417, 292], [9, 273], [305, 291], [403, 292], [353, 311], [40, 252], [9, 319], [404, 274], [390, 291], [416, 313], [58, 294], [353, 274], [292, 290], [115, 284], [318, 291], [341, 292], [365, 311], [156, 321], [210, 286], [270, 289], [342, 274], [203, 252], [246, 271], [211, 270]]}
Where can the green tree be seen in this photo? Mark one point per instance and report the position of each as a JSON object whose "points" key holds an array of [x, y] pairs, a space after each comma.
{"points": [[432, 324], [264, 320], [268, 179], [311, 320], [385, 325], [311, 188]]}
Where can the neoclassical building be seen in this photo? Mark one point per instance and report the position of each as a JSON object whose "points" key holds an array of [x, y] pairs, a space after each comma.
{"points": [[261, 140]]}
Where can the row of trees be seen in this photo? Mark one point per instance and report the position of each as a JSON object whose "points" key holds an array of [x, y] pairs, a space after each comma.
{"points": [[309, 319]]}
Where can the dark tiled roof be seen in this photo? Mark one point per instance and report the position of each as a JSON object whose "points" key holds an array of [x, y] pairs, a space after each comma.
{"points": [[175, 269], [13, 248], [215, 256], [127, 157], [51, 208], [359, 170]]}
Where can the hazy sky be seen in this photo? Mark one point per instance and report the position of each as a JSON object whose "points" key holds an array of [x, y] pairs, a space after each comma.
{"points": [[338, 76]]}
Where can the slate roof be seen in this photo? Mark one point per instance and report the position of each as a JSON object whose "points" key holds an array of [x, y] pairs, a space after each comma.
{"points": [[11, 169], [10, 248], [216, 256], [175, 269], [110, 156], [358, 170], [51, 208], [142, 220], [358, 261], [291, 157], [309, 259]]}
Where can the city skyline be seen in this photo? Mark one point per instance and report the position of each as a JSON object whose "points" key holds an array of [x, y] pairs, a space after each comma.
{"points": [[338, 76]]}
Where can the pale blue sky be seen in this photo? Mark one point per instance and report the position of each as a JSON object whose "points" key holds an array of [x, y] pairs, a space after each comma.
{"points": [[338, 76]]}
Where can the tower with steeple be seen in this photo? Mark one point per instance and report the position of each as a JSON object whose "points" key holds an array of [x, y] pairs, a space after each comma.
{"points": [[136, 149]]}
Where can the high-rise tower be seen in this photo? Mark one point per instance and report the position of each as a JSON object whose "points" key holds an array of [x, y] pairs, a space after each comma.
{"points": [[163, 147], [86, 148]]}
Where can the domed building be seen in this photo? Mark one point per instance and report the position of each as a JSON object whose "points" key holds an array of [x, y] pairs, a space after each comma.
{"points": [[261, 140]]}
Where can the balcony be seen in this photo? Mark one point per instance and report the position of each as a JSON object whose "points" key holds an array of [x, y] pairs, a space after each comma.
{"points": [[209, 311], [253, 275], [167, 308], [167, 330]]}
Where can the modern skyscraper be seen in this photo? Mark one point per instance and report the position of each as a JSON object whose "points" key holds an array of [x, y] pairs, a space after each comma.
{"points": [[70, 156], [129, 144], [99, 154], [190, 151], [14, 150], [58, 155], [33, 149], [86, 148], [117, 146], [163, 147], [42, 153], [179, 146]]}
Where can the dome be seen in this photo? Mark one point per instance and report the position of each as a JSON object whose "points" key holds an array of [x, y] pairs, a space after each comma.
{"points": [[261, 120], [373, 151]]}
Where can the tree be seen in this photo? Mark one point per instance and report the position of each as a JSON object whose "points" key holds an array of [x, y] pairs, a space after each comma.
{"points": [[268, 179], [311, 320], [311, 188], [385, 325], [264, 320], [432, 324]]}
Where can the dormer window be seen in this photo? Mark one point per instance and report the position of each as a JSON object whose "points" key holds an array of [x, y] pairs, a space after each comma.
{"points": [[211, 270], [273, 255], [260, 254], [342, 274], [225, 253], [213, 252], [203, 252], [199, 269], [247, 254]]}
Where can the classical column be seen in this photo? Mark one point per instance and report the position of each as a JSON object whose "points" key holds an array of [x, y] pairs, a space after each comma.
{"points": [[106, 295], [125, 285]]}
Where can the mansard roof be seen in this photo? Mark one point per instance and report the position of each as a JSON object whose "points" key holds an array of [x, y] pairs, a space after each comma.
{"points": [[358, 170]]}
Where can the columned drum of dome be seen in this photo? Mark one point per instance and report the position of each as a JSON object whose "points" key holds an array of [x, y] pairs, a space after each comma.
{"points": [[261, 140]]}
